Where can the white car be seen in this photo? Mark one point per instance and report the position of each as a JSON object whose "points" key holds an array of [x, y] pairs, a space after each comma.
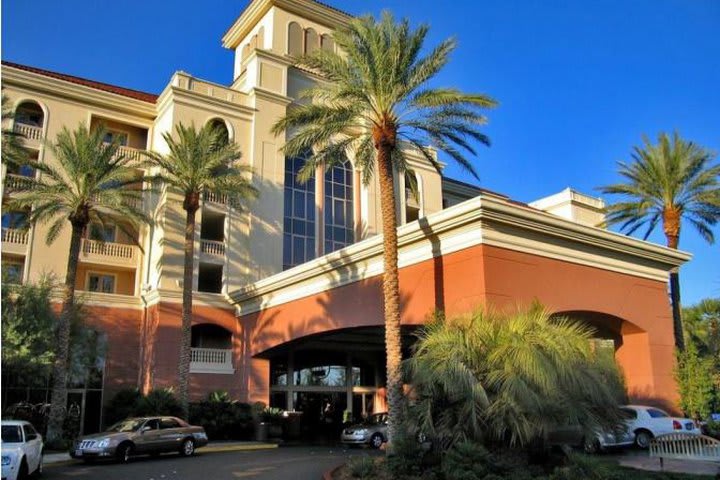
{"points": [[648, 422], [22, 450]]}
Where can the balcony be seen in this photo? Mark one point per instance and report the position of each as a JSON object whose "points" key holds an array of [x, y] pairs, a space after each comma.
{"points": [[16, 183], [211, 360], [14, 241], [211, 247], [108, 253], [213, 197], [29, 132], [134, 155]]}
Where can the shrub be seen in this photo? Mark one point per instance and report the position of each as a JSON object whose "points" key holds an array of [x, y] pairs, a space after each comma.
{"points": [[123, 405], [405, 455], [362, 467], [223, 419], [159, 402], [466, 461]]}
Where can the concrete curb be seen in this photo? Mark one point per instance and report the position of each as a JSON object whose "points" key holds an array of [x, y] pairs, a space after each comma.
{"points": [[208, 449]]}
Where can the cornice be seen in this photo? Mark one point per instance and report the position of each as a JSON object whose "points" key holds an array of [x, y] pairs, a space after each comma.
{"points": [[307, 9], [473, 222], [270, 96], [203, 299], [79, 93], [198, 100]]}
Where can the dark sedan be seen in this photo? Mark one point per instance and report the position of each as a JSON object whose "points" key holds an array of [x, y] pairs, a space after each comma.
{"points": [[139, 436]]}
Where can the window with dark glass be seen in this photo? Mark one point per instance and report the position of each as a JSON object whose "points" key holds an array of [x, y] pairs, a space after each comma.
{"points": [[299, 216], [101, 283], [339, 207]]}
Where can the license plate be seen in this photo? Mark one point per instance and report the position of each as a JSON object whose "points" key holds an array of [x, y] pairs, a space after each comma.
{"points": [[78, 453]]}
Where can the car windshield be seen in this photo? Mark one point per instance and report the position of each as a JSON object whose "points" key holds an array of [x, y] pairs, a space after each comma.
{"points": [[127, 425], [377, 419], [11, 434]]}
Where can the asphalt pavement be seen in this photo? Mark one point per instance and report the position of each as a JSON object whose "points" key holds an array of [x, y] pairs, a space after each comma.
{"points": [[295, 463]]}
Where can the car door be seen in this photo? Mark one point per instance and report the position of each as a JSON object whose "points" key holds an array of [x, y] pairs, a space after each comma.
{"points": [[33, 447], [149, 439], [171, 433]]}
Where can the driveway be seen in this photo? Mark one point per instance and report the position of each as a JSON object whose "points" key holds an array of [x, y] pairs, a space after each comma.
{"points": [[296, 463]]}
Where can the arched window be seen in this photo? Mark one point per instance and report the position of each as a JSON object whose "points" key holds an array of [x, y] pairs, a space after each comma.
{"points": [[295, 39], [312, 40], [219, 125], [327, 43], [208, 335], [338, 207], [412, 197], [30, 113], [299, 216]]}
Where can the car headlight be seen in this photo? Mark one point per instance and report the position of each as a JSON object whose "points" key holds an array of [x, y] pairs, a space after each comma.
{"points": [[6, 460], [103, 443], [362, 431]]}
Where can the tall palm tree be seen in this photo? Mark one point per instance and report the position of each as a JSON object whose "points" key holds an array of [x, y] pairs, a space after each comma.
{"points": [[87, 184], [668, 182], [198, 161], [13, 152], [377, 104]]}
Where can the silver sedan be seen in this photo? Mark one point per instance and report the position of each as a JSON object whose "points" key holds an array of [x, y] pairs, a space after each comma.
{"points": [[372, 431]]}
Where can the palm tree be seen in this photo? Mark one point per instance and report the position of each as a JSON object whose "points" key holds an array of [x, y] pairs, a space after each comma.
{"points": [[85, 185], [668, 182], [198, 161], [376, 105], [510, 378], [13, 152]]}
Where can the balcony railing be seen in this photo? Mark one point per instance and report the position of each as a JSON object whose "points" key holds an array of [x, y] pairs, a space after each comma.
{"points": [[212, 247], [215, 198], [14, 182], [30, 132], [14, 241], [131, 154], [120, 254], [211, 360]]}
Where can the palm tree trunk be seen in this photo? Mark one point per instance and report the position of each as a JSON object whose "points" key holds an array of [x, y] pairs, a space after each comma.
{"points": [[391, 293], [58, 398], [191, 208], [671, 226]]}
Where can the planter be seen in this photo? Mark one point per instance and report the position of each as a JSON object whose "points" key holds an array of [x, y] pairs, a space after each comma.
{"points": [[261, 431]]}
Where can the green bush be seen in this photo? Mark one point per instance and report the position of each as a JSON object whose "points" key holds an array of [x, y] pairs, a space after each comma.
{"points": [[123, 405], [362, 467], [467, 461], [222, 418], [159, 402], [405, 456]]}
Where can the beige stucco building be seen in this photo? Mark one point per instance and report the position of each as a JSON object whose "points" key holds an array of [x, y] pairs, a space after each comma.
{"points": [[287, 288]]}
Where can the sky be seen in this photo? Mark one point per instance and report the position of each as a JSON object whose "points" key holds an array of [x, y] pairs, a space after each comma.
{"points": [[578, 83]]}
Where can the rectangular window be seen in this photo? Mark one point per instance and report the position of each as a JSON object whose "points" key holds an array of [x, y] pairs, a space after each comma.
{"points": [[114, 136], [338, 207], [299, 216], [98, 282], [102, 233], [12, 272]]}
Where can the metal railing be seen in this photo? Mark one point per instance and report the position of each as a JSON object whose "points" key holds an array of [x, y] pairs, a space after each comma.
{"points": [[212, 247], [15, 236], [30, 132]]}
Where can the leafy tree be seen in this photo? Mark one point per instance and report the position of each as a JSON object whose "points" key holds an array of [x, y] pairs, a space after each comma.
{"points": [[668, 183], [87, 183], [376, 105], [198, 161], [509, 378], [702, 326]]}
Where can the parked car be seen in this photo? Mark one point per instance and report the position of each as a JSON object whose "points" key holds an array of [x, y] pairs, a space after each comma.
{"points": [[139, 436], [22, 450], [575, 436], [372, 431], [648, 422]]}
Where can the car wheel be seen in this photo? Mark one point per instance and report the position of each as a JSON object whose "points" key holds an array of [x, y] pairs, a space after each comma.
{"points": [[591, 445], [642, 439], [376, 440], [187, 448], [124, 452], [23, 470]]}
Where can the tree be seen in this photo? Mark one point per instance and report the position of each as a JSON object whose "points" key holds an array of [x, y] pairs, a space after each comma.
{"points": [[376, 104], [198, 161], [13, 152], [669, 182], [87, 184], [510, 378]]}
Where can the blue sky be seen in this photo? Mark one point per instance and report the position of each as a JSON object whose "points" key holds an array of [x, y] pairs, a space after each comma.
{"points": [[578, 83]]}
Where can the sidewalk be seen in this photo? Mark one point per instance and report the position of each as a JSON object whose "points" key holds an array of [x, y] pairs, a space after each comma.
{"points": [[642, 461], [62, 458]]}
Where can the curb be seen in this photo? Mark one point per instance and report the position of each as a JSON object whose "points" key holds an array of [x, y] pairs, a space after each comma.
{"points": [[328, 475], [219, 449]]}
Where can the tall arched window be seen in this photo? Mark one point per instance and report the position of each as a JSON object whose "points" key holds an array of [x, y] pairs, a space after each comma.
{"points": [[220, 125], [312, 40], [30, 113], [295, 39], [327, 43], [338, 207], [299, 217]]}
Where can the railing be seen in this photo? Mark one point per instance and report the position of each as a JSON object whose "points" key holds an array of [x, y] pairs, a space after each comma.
{"points": [[212, 247], [108, 253], [30, 132], [215, 198], [15, 236], [211, 360], [131, 154], [16, 182]]}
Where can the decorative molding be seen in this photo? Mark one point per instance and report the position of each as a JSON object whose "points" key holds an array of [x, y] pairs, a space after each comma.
{"points": [[204, 299], [486, 219]]}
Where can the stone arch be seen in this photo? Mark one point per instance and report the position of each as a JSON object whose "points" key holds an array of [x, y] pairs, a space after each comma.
{"points": [[295, 39], [31, 113], [312, 40], [224, 126]]}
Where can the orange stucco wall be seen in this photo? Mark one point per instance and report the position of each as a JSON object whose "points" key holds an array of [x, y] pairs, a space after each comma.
{"points": [[485, 275]]}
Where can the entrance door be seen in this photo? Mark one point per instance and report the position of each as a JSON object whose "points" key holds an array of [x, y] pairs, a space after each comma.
{"points": [[322, 414]]}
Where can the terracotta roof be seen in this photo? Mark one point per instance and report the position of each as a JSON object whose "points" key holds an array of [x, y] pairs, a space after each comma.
{"points": [[106, 87]]}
